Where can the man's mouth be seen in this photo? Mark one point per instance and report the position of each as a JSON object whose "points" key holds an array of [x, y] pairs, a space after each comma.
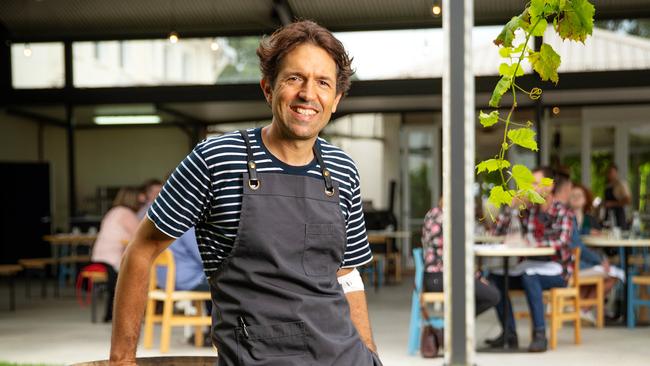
{"points": [[304, 111]]}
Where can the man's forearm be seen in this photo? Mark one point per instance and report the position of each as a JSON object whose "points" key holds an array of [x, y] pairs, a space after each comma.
{"points": [[131, 291], [130, 299], [359, 315]]}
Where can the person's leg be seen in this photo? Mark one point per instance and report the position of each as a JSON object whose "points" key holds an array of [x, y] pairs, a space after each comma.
{"points": [[111, 282], [533, 286], [486, 295], [514, 283]]}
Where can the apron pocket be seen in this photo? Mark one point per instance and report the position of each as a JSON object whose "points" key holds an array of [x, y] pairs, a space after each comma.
{"points": [[320, 257], [276, 340]]}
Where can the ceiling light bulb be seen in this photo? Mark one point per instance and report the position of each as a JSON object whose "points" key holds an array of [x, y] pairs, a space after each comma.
{"points": [[556, 110], [173, 37], [27, 51], [214, 46], [436, 10]]}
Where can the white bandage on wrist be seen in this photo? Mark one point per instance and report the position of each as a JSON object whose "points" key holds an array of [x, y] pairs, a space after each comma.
{"points": [[351, 282]]}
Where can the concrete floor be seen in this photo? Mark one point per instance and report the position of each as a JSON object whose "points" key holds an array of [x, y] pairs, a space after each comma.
{"points": [[58, 331]]}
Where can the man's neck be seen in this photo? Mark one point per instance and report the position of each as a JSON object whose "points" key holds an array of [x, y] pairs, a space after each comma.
{"points": [[290, 151]]}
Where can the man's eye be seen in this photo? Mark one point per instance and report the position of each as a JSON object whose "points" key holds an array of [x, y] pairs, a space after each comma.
{"points": [[324, 83]]}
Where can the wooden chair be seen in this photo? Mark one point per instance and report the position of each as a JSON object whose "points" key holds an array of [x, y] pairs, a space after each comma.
{"points": [[10, 271], [598, 301], [97, 281], [634, 300], [169, 296], [559, 299]]}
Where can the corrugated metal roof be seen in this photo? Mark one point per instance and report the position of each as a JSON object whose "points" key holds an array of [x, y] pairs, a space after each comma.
{"points": [[123, 19]]}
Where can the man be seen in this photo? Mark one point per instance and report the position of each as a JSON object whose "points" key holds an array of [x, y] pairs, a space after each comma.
{"points": [[548, 225], [278, 219], [617, 196], [151, 188]]}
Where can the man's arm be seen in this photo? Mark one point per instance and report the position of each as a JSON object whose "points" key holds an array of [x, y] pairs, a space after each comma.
{"points": [[131, 291], [359, 313]]}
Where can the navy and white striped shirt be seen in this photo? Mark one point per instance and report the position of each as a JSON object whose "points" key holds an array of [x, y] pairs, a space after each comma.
{"points": [[205, 191]]}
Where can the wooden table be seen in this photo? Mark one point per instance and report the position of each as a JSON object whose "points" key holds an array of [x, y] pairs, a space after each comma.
{"points": [[625, 245], [489, 238], [382, 237], [505, 252], [65, 245]]}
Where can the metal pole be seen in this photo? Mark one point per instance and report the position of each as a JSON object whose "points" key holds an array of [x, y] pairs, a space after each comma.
{"points": [[69, 118], [458, 118]]}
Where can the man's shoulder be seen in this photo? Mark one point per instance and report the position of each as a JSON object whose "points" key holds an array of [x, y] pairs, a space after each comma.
{"points": [[229, 146], [335, 154]]}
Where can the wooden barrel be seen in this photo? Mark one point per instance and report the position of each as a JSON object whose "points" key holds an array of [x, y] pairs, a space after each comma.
{"points": [[163, 361]]}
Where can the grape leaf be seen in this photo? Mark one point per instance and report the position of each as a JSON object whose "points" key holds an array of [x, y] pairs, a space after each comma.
{"points": [[488, 120], [500, 197], [536, 9], [500, 89], [524, 137], [545, 62], [540, 27], [491, 165], [509, 70], [507, 34], [576, 21], [505, 51], [547, 182], [523, 177], [533, 196]]}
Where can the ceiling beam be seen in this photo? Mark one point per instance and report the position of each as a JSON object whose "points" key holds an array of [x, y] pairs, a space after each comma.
{"points": [[36, 117], [282, 11]]}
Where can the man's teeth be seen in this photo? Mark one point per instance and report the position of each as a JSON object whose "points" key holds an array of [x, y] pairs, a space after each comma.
{"points": [[306, 112]]}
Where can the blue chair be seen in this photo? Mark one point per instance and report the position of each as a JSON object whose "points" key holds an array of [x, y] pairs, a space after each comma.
{"points": [[634, 300], [415, 324]]}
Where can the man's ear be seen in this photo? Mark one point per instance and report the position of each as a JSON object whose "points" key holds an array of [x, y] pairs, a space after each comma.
{"points": [[267, 90], [336, 102]]}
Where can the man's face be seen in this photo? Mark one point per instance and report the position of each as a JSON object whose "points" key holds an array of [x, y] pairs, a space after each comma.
{"points": [[544, 191], [304, 95]]}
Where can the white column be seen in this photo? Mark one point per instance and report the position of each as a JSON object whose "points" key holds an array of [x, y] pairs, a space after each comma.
{"points": [[458, 124]]}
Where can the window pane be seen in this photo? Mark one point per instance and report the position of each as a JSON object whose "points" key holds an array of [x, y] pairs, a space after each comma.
{"points": [[37, 65], [195, 61]]}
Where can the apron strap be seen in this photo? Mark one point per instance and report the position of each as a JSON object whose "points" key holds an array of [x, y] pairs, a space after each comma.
{"points": [[253, 181], [329, 187]]}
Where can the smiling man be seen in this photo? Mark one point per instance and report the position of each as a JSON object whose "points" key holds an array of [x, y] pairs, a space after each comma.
{"points": [[278, 219]]}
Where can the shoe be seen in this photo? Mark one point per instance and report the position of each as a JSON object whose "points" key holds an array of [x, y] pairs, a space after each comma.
{"points": [[513, 341], [539, 342]]}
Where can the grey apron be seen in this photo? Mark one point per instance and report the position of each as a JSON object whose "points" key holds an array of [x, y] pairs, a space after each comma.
{"points": [[277, 301]]}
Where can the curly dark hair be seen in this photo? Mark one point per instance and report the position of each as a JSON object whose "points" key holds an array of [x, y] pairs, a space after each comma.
{"points": [[273, 48]]}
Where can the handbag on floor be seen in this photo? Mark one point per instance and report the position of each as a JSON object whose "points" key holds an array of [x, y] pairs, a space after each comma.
{"points": [[431, 339]]}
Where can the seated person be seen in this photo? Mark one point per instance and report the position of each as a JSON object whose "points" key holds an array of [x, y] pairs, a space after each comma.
{"points": [[117, 226], [486, 295], [591, 262], [550, 225]]}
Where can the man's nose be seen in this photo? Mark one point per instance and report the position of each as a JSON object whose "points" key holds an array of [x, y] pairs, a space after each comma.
{"points": [[308, 90]]}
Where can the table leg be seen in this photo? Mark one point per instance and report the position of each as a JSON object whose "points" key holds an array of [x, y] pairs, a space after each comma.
{"points": [[626, 269], [506, 317]]}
